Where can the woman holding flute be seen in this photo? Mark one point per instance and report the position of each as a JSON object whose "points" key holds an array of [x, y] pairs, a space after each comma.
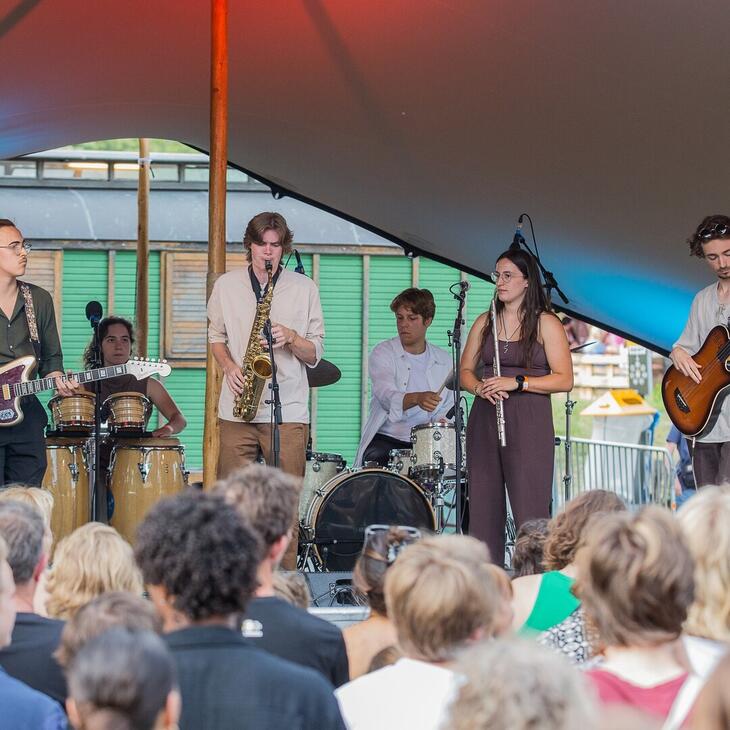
{"points": [[526, 358]]}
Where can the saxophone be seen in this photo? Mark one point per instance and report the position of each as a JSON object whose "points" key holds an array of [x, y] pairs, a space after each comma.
{"points": [[256, 366]]}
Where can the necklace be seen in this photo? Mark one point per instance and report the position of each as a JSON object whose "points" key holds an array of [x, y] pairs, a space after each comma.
{"points": [[508, 337]]}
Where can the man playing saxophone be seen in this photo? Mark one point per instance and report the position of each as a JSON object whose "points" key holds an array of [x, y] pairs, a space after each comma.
{"points": [[297, 330]]}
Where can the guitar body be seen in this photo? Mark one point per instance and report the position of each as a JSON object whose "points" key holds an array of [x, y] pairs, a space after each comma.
{"points": [[690, 405], [17, 371]]}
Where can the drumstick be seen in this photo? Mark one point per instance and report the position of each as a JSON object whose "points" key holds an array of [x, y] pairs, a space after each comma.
{"points": [[443, 385]]}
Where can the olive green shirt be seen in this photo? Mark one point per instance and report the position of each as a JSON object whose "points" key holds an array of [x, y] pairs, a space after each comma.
{"points": [[15, 336]]}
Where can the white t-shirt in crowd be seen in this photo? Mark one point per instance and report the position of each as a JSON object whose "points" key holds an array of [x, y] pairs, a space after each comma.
{"points": [[417, 383], [409, 695]]}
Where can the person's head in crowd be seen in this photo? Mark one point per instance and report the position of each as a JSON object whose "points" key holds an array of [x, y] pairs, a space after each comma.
{"points": [[123, 680], [92, 560], [380, 549], [505, 612], [705, 523], [22, 528], [40, 499], [567, 529], [513, 684], [7, 591], [198, 558], [438, 601], [384, 658], [267, 498], [711, 710], [292, 588], [529, 545], [115, 608], [635, 578]]}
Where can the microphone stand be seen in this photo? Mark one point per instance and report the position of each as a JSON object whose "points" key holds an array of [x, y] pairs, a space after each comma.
{"points": [[455, 337], [275, 400], [100, 509]]}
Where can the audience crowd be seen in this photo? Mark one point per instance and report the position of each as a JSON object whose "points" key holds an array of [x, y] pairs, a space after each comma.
{"points": [[609, 617]]}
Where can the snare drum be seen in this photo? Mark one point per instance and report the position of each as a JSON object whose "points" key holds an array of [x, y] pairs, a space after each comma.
{"points": [[141, 472], [321, 467], [73, 412], [127, 412], [400, 461], [67, 478], [342, 509], [434, 451]]}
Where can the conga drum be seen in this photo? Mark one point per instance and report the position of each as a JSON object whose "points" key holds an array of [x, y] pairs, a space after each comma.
{"points": [[73, 413], [67, 478], [141, 472]]}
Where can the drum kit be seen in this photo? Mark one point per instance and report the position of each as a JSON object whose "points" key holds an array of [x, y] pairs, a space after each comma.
{"points": [[141, 470], [337, 504]]}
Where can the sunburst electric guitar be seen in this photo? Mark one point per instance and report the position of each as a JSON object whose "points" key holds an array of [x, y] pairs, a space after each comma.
{"points": [[15, 382], [690, 405]]}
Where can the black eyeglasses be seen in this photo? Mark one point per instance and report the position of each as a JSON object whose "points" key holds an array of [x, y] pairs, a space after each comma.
{"points": [[714, 231]]}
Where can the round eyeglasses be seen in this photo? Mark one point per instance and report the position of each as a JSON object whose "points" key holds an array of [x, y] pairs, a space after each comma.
{"points": [[18, 246]]}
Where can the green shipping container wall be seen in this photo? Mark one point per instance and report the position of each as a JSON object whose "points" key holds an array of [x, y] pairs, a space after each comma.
{"points": [[356, 292]]}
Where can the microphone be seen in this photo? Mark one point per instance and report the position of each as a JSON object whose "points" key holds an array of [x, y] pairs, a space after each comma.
{"points": [[300, 266], [518, 239], [94, 312], [465, 286]]}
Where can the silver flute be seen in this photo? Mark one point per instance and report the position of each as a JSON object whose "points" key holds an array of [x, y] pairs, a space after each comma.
{"points": [[499, 405]]}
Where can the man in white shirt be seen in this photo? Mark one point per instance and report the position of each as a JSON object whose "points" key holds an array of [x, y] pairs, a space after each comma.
{"points": [[406, 373], [710, 307], [442, 596], [297, 330]]}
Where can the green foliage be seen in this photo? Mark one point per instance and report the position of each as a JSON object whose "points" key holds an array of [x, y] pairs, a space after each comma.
{"points": [[132, 145]]}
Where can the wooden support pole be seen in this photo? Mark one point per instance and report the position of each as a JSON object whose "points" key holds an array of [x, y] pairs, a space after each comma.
{"points": [[216, 218], [143, 249]]}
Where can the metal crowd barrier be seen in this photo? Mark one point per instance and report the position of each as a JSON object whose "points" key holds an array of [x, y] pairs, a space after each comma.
{"points": [[639, 474]]}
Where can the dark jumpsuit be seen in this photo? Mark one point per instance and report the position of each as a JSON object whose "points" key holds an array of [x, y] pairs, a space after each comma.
{"points": [[525, 465]]}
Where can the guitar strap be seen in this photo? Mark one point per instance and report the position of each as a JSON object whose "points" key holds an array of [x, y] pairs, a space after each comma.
{"points": [[30, 317]]}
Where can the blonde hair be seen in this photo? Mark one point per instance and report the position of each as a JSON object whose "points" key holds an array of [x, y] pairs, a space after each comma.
{"points": [[41, 499], [515, 685], [92, 560], [635, 577], [704, 520], [438, 601]]}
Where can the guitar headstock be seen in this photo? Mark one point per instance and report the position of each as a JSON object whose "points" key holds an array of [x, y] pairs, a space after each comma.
{"points": [[143, 368]]}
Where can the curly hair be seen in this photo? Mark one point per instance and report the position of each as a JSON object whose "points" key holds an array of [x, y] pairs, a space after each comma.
{"points": [[419, 301], [201, 552], [529, 546], [104, 325], [704, 521], [565, 530], [635, 577], [515, 685], [700, 236], [92, 560]]}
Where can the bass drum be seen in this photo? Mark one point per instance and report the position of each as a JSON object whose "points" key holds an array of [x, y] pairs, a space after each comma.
{"points": [[342, 509]]}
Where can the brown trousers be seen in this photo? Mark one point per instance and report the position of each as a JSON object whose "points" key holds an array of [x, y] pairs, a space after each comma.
{"points": [[240, 444], [710, 462]]}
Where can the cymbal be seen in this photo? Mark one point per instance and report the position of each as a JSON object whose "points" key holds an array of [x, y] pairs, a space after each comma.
{"points": [[479, 372], [325, 373]]}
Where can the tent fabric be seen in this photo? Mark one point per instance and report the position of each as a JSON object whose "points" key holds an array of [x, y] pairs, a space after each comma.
{"points": [[434, 123]]}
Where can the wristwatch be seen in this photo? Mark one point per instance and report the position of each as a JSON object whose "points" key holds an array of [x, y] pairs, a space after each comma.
{"points": [[520, 382]]}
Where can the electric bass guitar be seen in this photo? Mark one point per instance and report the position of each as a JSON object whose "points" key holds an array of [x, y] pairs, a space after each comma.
{"points": [[15, 382], [690, 405]]}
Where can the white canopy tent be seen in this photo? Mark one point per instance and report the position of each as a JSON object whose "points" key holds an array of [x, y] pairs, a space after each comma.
{"points": [[434, 123]]}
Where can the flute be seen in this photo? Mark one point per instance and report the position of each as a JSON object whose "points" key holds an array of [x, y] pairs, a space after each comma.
{"points": [[497, 368]]}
